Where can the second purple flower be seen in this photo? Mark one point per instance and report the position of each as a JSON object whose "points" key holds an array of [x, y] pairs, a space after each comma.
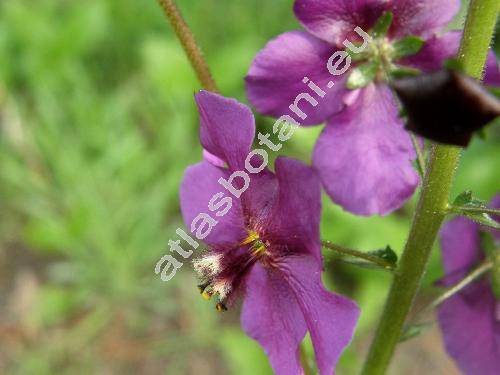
{"points": [[363, 156]]}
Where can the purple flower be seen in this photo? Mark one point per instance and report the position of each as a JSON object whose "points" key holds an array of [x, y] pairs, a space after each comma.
{"points": [[263, 240], [470, 320], [364, 156]]}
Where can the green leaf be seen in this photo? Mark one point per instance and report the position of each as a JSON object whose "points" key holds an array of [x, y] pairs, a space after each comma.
{"points": [[494, 91], [355, 56], [403, 71], [362, 76], [454, 64], [403, 113], [382, 25], [359, 263], [467, 205], [386, 254], [414, 330], [407, 46], [466, 198]]}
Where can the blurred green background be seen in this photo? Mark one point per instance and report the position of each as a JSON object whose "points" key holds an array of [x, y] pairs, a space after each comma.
{"points": [[97, 124]]}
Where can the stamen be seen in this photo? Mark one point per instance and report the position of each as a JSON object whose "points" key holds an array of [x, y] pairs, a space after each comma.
{"points": [[220, 307], [202, 287], [252, 237], [206, 295], [206, 291], [259, 249], [208, 265], [222, 288]]}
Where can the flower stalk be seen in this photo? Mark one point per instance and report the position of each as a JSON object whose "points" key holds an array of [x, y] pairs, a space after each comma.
{"points": [[458, 287], [188, 42], [433, 202], [477, 210], [359, 254]]}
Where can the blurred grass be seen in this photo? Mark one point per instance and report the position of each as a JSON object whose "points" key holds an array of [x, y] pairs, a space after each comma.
{"points": [[97, 125]]}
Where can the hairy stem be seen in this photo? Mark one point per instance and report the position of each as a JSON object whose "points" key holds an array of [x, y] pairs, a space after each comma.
{"points": [[433, 202], [358, 254], [188, 42]]}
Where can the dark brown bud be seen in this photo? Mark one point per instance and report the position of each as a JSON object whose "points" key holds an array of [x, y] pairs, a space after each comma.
{"points": [[446, 106]]}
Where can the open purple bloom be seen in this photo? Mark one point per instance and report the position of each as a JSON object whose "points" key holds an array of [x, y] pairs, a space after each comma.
{"points": [[263, 241], [470, 320], [364, 156]]}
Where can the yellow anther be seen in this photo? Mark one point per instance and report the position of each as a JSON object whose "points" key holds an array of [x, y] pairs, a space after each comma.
{"points": [[252, 237], [206, 295], [258, 250]]}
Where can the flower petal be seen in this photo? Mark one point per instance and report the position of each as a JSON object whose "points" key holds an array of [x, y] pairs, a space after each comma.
{"points": [[227, 128], [272, 316], [492, 71], [421, 17], [296, 214], [197, 189], [437, 49], [460, 248], [332, 21], [364, 155], [330, 318], [259, 198], [470, 331], [275, 77]]}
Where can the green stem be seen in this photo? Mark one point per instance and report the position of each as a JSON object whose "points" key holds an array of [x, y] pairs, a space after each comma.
{"points": [[188, 42], [479, 26], [433, 201], [358, 254]]}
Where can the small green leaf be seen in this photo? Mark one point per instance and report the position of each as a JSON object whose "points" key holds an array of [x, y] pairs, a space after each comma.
{"points": [[359, 263], [414, 330], [357, 56], [382, 25], [483, 219], [407, 46], [469, 206], [494, 91], [466, 198], [454, 64], [403, 113], [386, 254], [403, 71], [362, 76]]}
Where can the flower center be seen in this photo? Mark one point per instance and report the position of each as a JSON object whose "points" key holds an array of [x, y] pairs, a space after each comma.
{"points": [[257, 247], [379, 61], [221, 270], [381, 51]]}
